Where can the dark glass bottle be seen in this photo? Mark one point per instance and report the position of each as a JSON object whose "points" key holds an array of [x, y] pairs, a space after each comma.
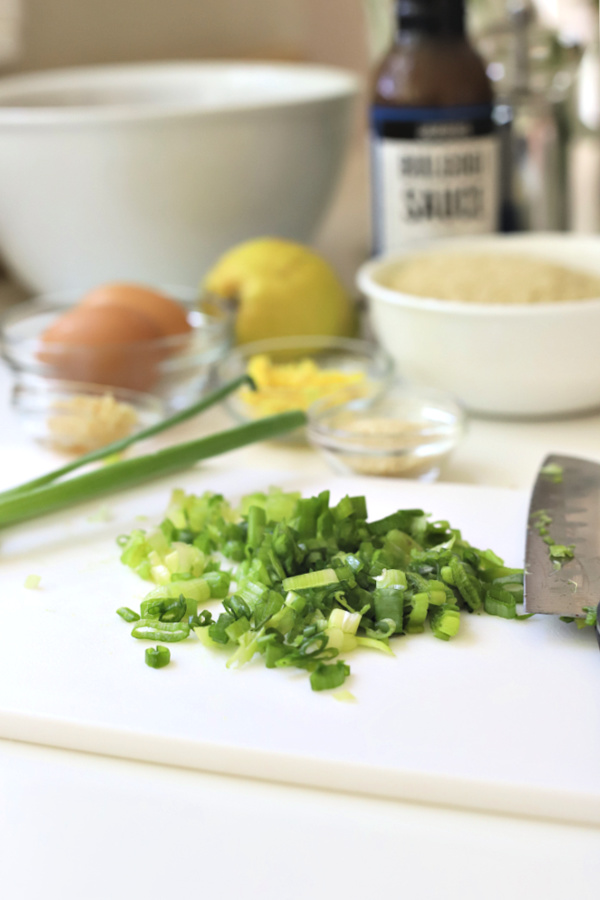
{"points": [[435, 153]]}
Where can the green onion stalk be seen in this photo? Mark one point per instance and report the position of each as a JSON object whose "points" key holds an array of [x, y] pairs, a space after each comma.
{"points": [[122, 444], [50, 493]]}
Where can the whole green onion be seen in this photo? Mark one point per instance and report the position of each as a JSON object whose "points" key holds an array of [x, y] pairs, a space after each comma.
{"points": [[118, 446], [130, 472]]}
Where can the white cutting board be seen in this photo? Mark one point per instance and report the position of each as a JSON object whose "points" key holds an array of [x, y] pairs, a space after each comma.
{"points": [[504, 717]]}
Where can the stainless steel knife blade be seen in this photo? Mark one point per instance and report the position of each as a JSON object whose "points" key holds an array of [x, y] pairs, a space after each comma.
{"points": [[571, 502]]}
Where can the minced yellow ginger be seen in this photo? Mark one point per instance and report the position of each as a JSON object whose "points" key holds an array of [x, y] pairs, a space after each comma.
{"points": [[295, 385], [82, 423]]}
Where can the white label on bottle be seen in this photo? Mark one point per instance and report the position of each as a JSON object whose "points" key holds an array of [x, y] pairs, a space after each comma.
{"points": [[426, 189]]}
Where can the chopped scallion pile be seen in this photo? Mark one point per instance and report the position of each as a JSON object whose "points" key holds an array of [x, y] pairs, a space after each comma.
{"points": [[302, 582]]}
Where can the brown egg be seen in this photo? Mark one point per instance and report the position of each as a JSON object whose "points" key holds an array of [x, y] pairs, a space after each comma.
{"points": [[168, 314], [103, 345]]}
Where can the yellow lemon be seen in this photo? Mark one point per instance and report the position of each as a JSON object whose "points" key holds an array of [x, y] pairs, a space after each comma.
{"points": [[281, 288]]}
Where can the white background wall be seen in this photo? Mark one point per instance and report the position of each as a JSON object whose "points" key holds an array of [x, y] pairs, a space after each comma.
{"points": [[67, 32], [71, 32]]}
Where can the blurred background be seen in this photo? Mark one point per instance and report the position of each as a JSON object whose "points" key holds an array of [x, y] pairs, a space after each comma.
{"points": [[36, 34], [150, 175], [48, 33], [542, 56]]}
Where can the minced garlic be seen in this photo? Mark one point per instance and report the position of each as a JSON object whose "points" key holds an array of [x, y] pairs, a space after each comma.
{"points": [[285, 386], [83, 423]]}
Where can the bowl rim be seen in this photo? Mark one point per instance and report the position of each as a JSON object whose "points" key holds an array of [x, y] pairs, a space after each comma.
{"points": [[337, 83], [33, 384], [239, 354], [317, 411], [368, 272], [370, 349], [215, 328]]}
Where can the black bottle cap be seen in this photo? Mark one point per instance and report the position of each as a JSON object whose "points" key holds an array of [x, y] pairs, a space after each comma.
{"points": [[444, 17]]}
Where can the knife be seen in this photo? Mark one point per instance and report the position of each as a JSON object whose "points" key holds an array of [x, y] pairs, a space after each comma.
{"points": [[565, 508]]}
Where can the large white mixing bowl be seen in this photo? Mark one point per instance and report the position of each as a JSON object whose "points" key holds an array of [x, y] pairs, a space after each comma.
{"points": [[149, 172]]}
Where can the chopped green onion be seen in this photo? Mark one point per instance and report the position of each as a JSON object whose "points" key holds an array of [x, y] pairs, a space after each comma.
{"points": [[498, 602], [553, 472], [128, 615], [380, 644], [465, 584], [32, 582], [591, 616], [157, 657], [310, 584], [418, 606], [328, 676], [389, 604], [391, 578], [202, 633], [154, 630], [540, 521], [197, 590], [560, 551], [445, 622], [320, 578], [237, 629], [166, 610], [257, 520], [344, 697]]}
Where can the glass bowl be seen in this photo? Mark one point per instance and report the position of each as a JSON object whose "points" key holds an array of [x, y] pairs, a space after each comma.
{"points": [[363, 365], [75, 418], [175, 369], [397, 431]]}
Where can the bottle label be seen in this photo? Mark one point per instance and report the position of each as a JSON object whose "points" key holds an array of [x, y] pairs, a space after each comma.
{"points": [[435, 173]]}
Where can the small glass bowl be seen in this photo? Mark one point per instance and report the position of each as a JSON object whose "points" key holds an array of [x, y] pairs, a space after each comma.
{"points": [[398, 431], [76, 418], [176, 369], [348, 355]]}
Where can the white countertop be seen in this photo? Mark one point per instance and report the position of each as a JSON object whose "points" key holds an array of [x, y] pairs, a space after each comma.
{"points": [[94, 824], [79, 826]]}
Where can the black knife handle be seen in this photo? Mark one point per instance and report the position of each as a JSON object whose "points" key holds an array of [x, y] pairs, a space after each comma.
{"points": [[598, 624]]}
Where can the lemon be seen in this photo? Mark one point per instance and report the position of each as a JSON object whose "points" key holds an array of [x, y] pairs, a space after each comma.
{"points": [[281, 288]]}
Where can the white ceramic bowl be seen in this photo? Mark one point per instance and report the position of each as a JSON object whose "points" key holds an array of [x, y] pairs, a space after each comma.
{"points": [[149, 172], [524, 361]]}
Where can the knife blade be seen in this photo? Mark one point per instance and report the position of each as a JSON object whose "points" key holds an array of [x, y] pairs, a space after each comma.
{"points": [[568, 502]]}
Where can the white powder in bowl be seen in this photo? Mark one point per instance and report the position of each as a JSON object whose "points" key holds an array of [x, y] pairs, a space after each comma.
{"points": [[492, 278]]}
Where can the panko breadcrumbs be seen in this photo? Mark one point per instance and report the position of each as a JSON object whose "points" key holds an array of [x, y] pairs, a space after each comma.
{"points": [[389, 447], [498, 278]]}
